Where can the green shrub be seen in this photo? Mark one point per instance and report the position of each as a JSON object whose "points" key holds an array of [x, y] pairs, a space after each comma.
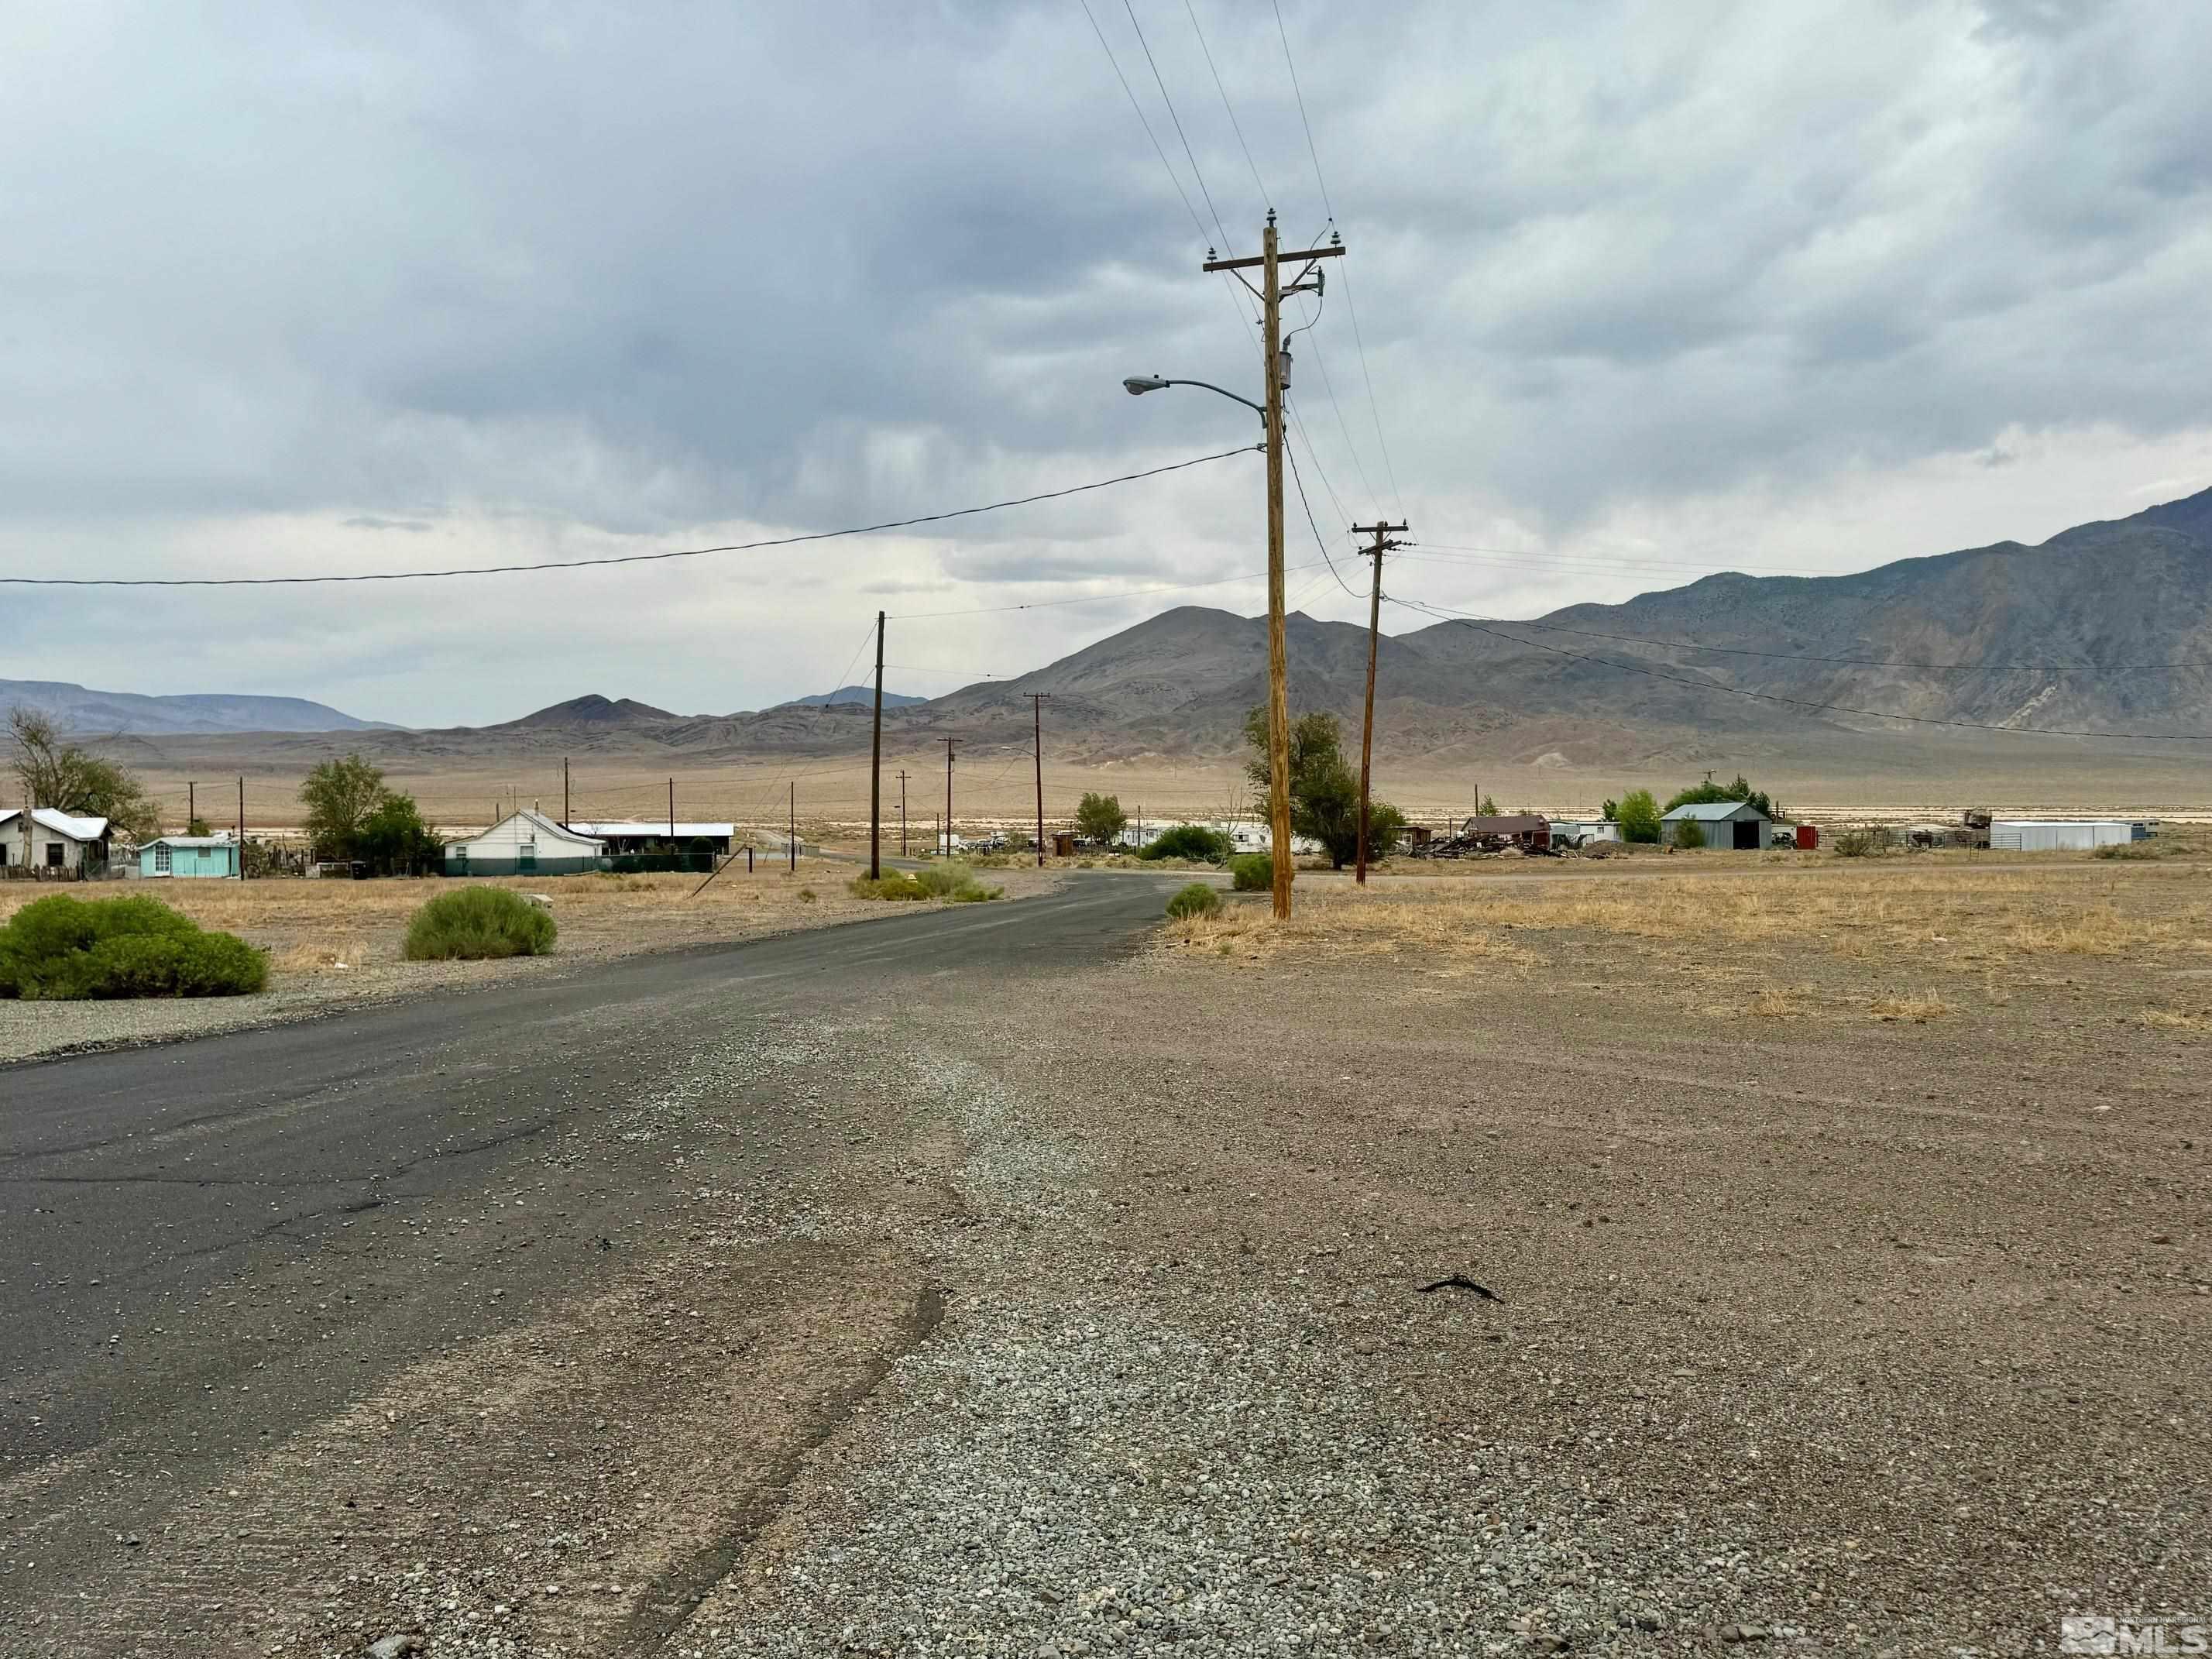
{"points": [[1252, 872], [1689, 832], [955, 882], [1860, 844], [1196, 900], [1637, 814], [1189, 840], [475, 923], [64, 948]]}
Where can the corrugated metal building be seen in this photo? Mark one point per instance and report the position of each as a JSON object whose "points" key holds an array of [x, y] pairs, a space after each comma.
{"points": [[1724, 823], [525, 844], [647, 835], [2066, 835]]}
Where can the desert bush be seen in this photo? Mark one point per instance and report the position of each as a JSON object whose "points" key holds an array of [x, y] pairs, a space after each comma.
{"points": [[475, 923], [1689, 832], [68, 948], [1252, 872], [1196, 900], [2126, 849], [1188, 840], [1859, 843], [955, 882]]}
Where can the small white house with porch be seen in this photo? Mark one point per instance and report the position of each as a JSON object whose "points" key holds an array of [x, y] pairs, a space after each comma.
{"points": [[525, 844], [45, 842]]}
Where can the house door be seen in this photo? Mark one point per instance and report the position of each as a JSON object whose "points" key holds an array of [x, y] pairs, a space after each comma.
{"points": [[1746, 838], [527, 860]]}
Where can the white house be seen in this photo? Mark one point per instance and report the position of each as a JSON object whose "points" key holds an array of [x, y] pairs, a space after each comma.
{"points": [[47, 840], [525, 844]]}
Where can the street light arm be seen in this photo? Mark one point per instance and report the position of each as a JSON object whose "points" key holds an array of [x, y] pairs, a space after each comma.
{"points": [[1140, 384]]}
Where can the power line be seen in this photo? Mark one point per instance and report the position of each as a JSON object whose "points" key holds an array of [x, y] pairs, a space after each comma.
{"points": [[1351, 308], [1189, 155], [1803, 703], [1265, 200], [1144, 121], [625, 558], [1291, 455]]}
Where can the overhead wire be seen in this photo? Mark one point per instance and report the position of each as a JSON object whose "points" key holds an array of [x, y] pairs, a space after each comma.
{"points": [[1291, 455], [1803, 703], [1098, 599], [1189, 155], [614, 559], [1226, 106]]}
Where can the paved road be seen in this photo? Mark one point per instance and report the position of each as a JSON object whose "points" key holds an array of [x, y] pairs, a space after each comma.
{"points": [[218, 1247]]}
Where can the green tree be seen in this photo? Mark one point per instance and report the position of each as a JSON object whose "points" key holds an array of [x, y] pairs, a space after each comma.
{"points": [[340, 795], [1324, 789], [1487, 807], [198, 827], [393, 838], [62, 775], [1100, 818], [1689, 833], [1610, 812], [1637, 815]]}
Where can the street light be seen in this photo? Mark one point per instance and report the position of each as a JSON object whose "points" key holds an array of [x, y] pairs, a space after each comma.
{"points": [[1138, 384]]}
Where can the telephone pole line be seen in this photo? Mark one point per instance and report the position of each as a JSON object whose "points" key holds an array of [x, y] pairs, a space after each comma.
{"points": [[191, 804], [875, 767], [1036, 732], [564, 791], [1276, 364], [1381, 529], [794, 826], [901, 778], [948, 743], [241, 827]]}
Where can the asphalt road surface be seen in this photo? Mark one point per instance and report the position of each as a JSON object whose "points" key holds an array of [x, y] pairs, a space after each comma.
{"points": [[212, 1245]]}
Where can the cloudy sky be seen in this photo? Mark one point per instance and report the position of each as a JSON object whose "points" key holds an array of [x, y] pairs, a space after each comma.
{"points": [[1645, 292]]}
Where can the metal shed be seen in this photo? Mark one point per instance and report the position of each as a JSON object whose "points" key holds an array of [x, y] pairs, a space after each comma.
{"points": [[2064, 835], [1724, 823]]}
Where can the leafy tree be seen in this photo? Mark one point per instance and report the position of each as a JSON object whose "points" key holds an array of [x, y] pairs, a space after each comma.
{"points": [[1637, 815], [1324, 789], [1100, 818], [1189, 840], [52, 773], [340, 796], [1699, 794], [393, 837], [1487, 807], [1689, 833], [199, 827], [1610, 812]]}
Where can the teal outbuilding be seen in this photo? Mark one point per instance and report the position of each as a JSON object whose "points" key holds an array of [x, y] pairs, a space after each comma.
{"points": [[189, 856]]}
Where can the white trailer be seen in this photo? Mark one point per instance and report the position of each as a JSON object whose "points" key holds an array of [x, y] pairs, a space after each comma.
{"points": [[2064, 835]]}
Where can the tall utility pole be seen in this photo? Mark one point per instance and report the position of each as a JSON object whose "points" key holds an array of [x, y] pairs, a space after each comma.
{"points": [[191, 804], [948, 743], [1380, 531], [1037, 729], [671, 814], [875, 767], [241, 827], [901, 778], [794, 826], [564, 791], [1275, 365]]}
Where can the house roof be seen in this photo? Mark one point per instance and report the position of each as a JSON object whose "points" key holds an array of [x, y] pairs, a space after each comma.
{"points": [[1509, 823], [632, 828], [63, 824], [1714, 811], [188, 840], [541, 823]]}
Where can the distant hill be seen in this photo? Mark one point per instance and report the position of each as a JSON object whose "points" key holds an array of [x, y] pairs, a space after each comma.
{"points": [[591, 710], [862, 694], [75, 708]]}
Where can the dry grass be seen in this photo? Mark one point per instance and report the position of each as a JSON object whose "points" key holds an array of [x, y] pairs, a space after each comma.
{"points": [[2171, 1019], [1924, 1006], [1442, 925], [331, 927]]}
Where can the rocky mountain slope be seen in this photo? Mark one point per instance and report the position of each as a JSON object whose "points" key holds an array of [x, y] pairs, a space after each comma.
{"points": [[79, 710]]}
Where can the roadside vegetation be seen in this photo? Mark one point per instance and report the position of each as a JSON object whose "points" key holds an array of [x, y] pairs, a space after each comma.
{"points": [[1193, 901], [475, 924], [1194, 841], [68, 949], [1099, 819], [1324, 789], [955, 883], [1252, 872], [354, 816]]}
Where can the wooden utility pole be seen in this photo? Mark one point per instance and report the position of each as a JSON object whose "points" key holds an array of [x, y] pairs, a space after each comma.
{"points": [[901, 778], [794, 826], [1036, 731], [671, 814], [948, 743], [564, 791], [241, 827], [1275, 365], [1381, 531], [875, 767], [191, 804]]}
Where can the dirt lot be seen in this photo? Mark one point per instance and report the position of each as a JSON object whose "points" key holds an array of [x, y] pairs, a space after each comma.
{"points": [[333, 943]]}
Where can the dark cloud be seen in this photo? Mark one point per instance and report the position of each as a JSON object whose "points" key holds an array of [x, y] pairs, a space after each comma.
{"points": [[541, 280]]}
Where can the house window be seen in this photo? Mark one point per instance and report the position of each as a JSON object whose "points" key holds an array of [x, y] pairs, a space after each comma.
{"points": [[54, 855], [163, 858]]}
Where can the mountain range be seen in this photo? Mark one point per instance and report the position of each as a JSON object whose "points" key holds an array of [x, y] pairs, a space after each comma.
{"points": [[75, 708]]}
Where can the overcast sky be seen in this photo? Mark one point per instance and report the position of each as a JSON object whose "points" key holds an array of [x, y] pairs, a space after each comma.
{"points": [[1645, 291]]}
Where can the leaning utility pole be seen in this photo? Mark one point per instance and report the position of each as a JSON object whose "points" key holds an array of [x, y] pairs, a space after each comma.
{"points": [[1036, 731], [1275, 365], [875, 767], [948, 743], [1381, 531], [901, 778]]}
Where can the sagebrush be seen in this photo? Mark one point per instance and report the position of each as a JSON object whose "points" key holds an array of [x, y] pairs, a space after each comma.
{"points": [[1252, 872], [1196, 900], [67, 949], [477, 923], [955, 882]]}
